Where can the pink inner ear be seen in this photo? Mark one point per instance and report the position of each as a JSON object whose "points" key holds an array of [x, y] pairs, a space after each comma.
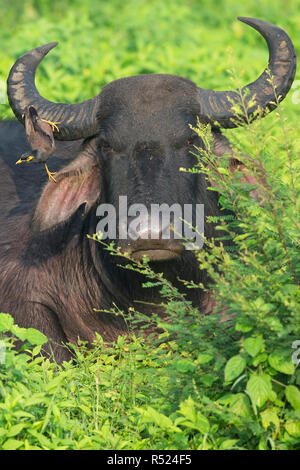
{"points": [[61, 199], [257, 193]]}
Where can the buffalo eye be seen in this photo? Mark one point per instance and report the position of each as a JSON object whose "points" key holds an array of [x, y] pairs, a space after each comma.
{"points": [[105, 144], [192, 140]]}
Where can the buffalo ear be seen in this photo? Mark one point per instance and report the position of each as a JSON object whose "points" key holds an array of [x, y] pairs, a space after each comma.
{"points": [[247, 177], [76, 184], [221, 146]]}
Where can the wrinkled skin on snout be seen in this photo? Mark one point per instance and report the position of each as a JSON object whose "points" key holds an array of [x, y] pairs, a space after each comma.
{"points": [[130, 140]]}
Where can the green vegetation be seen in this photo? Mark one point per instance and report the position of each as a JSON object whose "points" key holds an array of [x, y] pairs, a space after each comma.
{"points": [[202, 384]]}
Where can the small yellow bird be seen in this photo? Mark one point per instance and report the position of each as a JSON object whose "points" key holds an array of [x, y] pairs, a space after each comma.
{"points": [[39, 133]]}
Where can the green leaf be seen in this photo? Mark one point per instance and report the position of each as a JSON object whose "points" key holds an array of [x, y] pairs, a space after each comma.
{"points": [[268, 417], [207, 379], [185, 365], [6, 321], [203, 358], [263, 444], [259, 388], [19, 332], [241, 237], [86, 409], [187, 409], [293, 428], [234, 368], [274, 324], [159, 419], [243, 326], [261, 357], [12, 444], [194, 419], [35, 337], [253, 345], [292, 394], [200, 424], [228, 444], [14, 430], [43, 440], [240, 405], [281, 362], [223, 171]]}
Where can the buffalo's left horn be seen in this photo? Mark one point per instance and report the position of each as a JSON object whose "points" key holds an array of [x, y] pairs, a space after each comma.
{"points": [[216, 106], [76, 120]]}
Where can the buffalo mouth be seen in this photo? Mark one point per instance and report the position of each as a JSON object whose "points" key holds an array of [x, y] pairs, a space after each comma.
{"points": [[156, 251], [156, 255]]}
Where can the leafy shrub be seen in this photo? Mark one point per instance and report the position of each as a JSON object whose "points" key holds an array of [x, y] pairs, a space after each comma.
{"points": [[202, 383]]}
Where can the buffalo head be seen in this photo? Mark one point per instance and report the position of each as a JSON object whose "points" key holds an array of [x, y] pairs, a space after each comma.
{"points": [[137, 137]]}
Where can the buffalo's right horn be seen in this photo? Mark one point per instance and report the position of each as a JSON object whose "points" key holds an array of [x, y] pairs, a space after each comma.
{"points": [[216, 106]]}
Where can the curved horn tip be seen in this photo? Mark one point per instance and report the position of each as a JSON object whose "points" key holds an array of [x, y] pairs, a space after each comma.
{"points": [[43, 50], [248, 19], [255, 22]]}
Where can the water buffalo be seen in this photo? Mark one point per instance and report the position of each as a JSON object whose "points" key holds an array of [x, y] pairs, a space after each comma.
{"points": [[130, 140]]}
